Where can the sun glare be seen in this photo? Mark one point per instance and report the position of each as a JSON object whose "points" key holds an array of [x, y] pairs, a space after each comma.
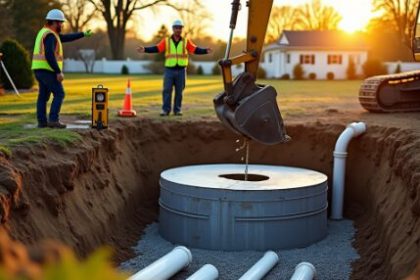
{"points": [[355, 14]]}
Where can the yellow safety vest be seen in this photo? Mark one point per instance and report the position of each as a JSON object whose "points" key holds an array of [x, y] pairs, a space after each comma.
{"points": [[176, 55], [38, 60]]}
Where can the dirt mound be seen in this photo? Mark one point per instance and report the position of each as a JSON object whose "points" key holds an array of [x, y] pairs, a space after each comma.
{"points": [[86, 195], [104, 189]]}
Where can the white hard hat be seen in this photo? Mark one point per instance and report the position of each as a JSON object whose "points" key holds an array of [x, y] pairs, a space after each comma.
{"points": [[178, 22], [55, 14]]}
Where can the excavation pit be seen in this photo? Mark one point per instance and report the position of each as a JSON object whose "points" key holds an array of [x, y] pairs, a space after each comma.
{"points": [[105, 190], [211, 206]]}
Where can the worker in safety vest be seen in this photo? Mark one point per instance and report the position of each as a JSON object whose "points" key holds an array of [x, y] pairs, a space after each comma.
{"points": [[176, 50], [47, 63]]}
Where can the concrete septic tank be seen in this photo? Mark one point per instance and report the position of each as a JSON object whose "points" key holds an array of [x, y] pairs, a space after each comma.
{"points": [[212, 207]]}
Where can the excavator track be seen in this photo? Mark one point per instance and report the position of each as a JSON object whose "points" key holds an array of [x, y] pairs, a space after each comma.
{"points": [[391, 93]]}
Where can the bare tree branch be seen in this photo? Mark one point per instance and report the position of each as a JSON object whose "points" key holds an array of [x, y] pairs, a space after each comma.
{"points": [[402, 15], [282, 18], [78, 13], [117, 13], [316, 16]]}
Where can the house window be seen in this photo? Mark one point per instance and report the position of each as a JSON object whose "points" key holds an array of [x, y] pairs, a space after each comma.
{"points": [[288, 58], [307, 59], [270, 57], [335, 59]]}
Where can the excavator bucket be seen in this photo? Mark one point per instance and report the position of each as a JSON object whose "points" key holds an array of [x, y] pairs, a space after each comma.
{"points": [[252, 110]]}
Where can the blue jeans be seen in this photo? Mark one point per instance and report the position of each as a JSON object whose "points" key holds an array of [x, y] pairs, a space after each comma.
{"points": [[173, 77], [48, 83]]}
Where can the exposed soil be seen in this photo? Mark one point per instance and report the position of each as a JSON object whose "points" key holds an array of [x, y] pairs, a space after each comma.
{"points": [[104, 189]]}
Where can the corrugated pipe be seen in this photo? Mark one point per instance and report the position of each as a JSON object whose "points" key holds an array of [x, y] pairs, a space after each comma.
{"points": [[206, 272], [165, 267], [262, 267], [339, 170]]}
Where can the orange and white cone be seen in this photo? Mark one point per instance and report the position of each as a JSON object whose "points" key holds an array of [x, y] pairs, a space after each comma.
{"points": [[127, 110]]}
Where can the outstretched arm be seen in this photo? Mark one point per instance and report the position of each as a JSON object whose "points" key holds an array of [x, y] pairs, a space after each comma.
{"points": [[71, 37], [153, 49], [192, 48]]}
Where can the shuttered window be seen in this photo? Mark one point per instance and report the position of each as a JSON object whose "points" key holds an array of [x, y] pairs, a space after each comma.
{"points": [[335, 59], [307, 59]]}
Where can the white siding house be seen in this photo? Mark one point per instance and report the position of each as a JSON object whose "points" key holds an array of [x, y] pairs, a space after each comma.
{"points": [[319, 52]]}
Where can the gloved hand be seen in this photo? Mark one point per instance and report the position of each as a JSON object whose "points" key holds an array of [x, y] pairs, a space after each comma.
{"points": [[88, 33]]}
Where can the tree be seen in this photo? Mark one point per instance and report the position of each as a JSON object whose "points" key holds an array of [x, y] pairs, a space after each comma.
{"points": [[373, 67], [196, 18], [316, 16], [402, 15], [351, 70], [6, 22], [157, 65], [88, 57], [117, 13], [29, 17], [380, 32], [398, 69], [78, 13], [298, 72], [282, 18], [215, 70], [200, 70], [162, 33], [18, 64]]}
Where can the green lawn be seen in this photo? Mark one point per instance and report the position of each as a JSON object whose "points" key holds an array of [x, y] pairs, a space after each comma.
{"points": [[295, 98]]}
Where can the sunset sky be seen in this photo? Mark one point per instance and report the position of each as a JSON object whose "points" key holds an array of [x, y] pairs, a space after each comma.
{"points": [[355, 13]]}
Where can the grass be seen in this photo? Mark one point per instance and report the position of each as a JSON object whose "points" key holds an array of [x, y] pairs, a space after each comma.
{"points": [[295, 98]]}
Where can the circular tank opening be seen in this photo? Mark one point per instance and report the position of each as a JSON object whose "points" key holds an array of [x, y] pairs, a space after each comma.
{"points": [[241, 177]]}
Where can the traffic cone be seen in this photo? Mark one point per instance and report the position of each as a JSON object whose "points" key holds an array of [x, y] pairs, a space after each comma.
{"points": [[127, 110]]}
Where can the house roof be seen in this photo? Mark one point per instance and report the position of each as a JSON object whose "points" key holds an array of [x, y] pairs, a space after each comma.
{"points": [[325, 40]]}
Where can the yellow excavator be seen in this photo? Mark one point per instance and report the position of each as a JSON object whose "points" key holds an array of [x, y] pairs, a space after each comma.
{"points": [[245, 107], [394, 93], [251, 109]]}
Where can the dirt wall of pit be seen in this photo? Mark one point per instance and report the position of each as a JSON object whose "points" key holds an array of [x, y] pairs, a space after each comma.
{"points": [[103, 190]]}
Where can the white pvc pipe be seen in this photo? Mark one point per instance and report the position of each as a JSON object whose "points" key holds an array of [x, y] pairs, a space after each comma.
{"points": [[262, 267], [206, 272], [165, 267], [304, 271], [339, 170]]}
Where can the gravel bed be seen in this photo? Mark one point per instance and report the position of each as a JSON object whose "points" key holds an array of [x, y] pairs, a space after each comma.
{"points": [[331, 257]]}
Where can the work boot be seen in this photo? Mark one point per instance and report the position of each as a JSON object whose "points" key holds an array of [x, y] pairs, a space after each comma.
{"points": [[178, 114], [42, 125], [56, 124], [164, 114]]}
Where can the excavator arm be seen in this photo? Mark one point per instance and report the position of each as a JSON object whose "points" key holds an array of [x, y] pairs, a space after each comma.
{"points": [[245, 107]]}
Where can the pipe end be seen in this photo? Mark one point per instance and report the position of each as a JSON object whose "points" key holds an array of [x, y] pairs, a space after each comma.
{"points": [[273, 255], [212, 268], [358, 128], [186, 251], [307, 264], [336, 217]]}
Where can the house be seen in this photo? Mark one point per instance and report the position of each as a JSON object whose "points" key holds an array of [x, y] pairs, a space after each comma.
{"points": [[319, 52]]}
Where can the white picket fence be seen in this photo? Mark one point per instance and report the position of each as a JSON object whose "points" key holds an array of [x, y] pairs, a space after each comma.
{"points": [[405, 66], [105, 66]]}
